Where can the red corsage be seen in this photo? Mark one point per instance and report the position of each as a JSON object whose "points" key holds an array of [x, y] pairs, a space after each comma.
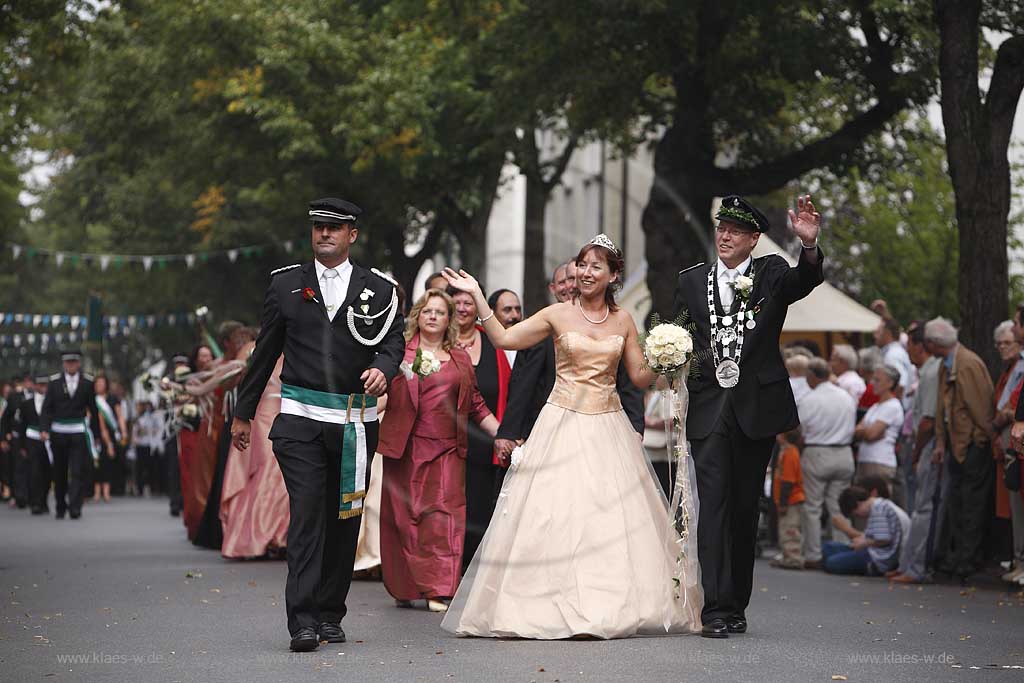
{"points": [[308, 294]]}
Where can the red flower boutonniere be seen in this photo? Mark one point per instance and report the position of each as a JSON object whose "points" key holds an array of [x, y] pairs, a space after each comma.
{"points": [[309, 295]]}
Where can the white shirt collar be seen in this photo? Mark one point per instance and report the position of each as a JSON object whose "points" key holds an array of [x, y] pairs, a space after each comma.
{"points": [[343, 270], [68, 379], [741, 268]]}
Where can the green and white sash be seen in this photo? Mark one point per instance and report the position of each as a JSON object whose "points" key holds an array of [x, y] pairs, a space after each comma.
{"points": [[352, 411], [33, 433], [107, 413], [75, 425]]}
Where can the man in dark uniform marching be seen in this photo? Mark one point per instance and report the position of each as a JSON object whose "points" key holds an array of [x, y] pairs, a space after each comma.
{"points": [[70, 400], [32, 447], [741, 397], [340, 330]]}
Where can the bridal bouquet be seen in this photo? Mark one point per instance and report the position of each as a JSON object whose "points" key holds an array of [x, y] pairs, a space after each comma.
{"points": [[667, 348]]}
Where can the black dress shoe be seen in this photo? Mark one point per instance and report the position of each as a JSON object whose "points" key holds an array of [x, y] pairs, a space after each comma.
{"points": [[40, 511], [716, 628], [76, 515], [736, 624], [305, 640], [60, 514], [332, 633]]}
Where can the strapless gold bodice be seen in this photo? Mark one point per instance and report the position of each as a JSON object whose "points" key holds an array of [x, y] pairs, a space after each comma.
{"points": [[585, 370]]}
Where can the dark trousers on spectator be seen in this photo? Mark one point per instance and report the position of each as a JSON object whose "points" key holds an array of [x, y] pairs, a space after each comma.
{"points": [[967, 511], [145, 473], [22, 475], [71, 458]]}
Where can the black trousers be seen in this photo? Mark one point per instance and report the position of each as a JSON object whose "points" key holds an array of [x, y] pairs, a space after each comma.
{"points": [[483, 484], [321, 548], [22, 476], [71, 460], [39, 473], [173, 475], [967, 512], [730, 472]]}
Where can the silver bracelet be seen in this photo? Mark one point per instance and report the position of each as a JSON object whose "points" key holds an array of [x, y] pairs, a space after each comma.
{"points": [[483, 320], [813, 246]]}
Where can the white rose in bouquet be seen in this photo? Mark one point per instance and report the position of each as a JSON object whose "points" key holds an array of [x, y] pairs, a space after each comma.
{"points": [[742, 286], [667, 348], [425, 363]]}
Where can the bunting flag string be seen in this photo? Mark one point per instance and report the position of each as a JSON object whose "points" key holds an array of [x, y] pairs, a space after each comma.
{"points": [[147, 261], [81, 322]]}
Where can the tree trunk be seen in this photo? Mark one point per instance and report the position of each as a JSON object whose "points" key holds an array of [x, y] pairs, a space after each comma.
{"points": [[535, 276], [977, 140]]}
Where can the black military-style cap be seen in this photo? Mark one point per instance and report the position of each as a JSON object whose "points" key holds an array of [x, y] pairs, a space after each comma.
{"points": [[739, 211], [42, 379], [179, 358], [71, 354], [334, 211]]}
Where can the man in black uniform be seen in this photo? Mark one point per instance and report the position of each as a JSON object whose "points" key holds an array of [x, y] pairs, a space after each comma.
{"points": [[742, 396], [70, 401], [340, 330], [13, 467], [32, 447]]}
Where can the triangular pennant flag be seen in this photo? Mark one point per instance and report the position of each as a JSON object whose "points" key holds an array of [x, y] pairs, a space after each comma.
{"points": [[232, 255], [288, 246], [147, 262], [55, 320], [131, 321], [190, 260], [151, 320], [59, 258], [36, 320], [16, 250], [75, 320], [18, 317], [104, 261]]}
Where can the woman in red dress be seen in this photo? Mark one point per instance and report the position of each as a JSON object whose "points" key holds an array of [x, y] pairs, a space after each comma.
{"points": [[424, 440]]}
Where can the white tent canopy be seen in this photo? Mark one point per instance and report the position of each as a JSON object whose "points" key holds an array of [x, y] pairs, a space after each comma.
{"points": [[825, 309]]}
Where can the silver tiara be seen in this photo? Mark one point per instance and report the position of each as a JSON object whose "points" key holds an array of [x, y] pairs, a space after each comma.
{"points": [[603, 240]]}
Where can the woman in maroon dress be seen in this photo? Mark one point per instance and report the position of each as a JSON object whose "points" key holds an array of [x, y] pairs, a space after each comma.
{"points": [[424, 438]]}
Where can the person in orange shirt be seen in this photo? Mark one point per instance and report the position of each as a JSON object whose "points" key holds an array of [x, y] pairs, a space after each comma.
{"points": [[788, 495]]}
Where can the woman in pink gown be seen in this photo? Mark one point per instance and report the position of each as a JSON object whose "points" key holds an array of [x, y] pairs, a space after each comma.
{"points": [[424, 440], [254, 501]]}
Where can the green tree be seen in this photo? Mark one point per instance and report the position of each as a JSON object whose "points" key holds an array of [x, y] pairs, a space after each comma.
{"points": [[978, 129]]}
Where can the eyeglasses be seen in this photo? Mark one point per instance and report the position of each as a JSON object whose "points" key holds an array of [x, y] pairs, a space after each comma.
{"points": [[734, 232], [1005, 343]]}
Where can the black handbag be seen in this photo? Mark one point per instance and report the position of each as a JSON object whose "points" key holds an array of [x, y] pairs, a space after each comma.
{"points": [[1011, 470]]}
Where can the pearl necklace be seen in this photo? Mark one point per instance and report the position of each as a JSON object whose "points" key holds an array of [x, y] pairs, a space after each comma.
{"points": [[467, 346], [607, 312]]}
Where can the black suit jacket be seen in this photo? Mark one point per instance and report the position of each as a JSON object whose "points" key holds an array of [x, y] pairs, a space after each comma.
{"points": [[533, 378], [25, 415], [763, 399], [319, 354], [60, 405]]}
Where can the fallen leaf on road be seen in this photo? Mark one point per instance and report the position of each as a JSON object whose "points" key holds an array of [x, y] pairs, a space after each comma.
{"points": [[251, 583], [838, 677], [215, 590]]}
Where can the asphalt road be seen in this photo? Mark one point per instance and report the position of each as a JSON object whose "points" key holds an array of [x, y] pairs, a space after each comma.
{"points": [[121, 595]]}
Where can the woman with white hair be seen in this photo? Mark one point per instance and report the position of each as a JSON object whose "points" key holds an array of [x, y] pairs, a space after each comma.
{"points": [[1009, 503], [844, 364]]}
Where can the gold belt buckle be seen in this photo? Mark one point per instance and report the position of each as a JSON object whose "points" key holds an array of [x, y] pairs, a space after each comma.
{"points": [[348, 413]]}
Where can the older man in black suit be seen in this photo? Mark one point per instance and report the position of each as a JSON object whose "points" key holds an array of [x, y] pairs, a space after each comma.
{"points": [[741, 398]]}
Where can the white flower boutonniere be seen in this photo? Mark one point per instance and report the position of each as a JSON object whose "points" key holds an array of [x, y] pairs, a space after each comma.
{"points": [[743, 287], [367, 294], [425, 364]]}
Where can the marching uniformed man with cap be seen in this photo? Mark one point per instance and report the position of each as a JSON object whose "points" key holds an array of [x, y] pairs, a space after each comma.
{"points": [[340, 330], [32, 447], [69, 403], [741, 397]]}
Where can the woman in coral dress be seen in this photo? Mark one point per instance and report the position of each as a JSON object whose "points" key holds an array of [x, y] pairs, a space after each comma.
{"points": [[582, 542], [254, 501]]}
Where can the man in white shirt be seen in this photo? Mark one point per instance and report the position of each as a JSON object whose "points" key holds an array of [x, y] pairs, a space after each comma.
{"points": [[828, 416], [796, 365], [844, 367], [887, 337]]}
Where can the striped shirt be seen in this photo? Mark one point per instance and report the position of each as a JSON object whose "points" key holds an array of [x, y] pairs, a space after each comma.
{"points": [[887, 522]]}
